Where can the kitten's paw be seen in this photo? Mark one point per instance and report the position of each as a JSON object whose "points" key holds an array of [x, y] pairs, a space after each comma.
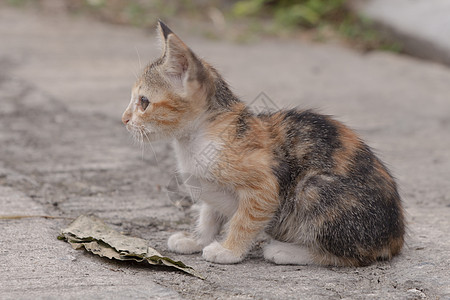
{"points": [[184, 243], [287, 254], [216, 253]]}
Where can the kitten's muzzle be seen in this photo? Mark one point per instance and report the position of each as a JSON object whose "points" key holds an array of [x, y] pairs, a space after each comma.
{"points": [[126, 117]]}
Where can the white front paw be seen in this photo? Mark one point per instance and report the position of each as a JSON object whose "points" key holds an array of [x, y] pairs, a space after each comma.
{"points": [[184, 243], [215, 252]]}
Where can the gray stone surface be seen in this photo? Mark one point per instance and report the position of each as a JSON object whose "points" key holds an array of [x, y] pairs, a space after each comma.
{"points": [[422, 26], [64, 82]]}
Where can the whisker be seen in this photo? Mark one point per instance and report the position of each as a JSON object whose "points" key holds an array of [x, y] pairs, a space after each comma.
{"points": [[133, 70], [141, 141], [139, 57], [145, 131], [134, 132], [141, 137]]}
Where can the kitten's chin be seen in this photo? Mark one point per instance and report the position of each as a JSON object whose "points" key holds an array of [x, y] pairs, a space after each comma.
{"points": [[143, 135]]}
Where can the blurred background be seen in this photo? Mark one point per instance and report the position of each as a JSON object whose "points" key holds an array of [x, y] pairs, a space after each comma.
{"points": [[66, 70], [416, 27], [236, 20]]}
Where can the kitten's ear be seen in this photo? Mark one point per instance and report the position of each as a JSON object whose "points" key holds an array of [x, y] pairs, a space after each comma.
{"points": [[180, 63], [163, 33], [178, 57]]}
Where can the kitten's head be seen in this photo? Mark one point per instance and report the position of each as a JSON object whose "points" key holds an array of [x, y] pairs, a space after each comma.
{"points": [[171, 94]]}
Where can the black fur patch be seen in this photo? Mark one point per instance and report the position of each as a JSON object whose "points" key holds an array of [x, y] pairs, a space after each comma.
{"points": [[223, 98], [242, 125], [309, 133]]}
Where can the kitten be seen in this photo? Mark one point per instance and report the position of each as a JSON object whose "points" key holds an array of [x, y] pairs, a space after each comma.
{"points": [[305, 179]]}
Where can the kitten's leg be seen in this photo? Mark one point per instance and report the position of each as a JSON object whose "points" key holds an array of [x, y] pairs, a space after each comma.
{"points": [[255, 210], [287, 253], [208, 226]]}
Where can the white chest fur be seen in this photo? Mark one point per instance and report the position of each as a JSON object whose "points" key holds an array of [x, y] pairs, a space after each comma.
{"points": [[197, 156]]}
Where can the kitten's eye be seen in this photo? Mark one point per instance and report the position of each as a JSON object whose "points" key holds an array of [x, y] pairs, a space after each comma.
{"points": [[143, 101]]}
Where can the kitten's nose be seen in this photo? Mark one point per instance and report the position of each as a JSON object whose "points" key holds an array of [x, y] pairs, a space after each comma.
{"points": [[125, 118]]}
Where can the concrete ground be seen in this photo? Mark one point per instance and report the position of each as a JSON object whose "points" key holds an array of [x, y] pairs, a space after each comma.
{"points": [[64, 82]]}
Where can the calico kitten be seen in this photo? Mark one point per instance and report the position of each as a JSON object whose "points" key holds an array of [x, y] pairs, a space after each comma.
{"points": [[305, 179]]}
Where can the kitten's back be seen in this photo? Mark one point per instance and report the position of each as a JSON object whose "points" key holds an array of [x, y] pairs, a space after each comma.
{"points": [[335, 195]]}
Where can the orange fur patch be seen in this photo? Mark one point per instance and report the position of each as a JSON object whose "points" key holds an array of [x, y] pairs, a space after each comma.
{"points": [[245, 164], [396, 245], [382, 170], [350, 143], [167, 112], [255, 210]]}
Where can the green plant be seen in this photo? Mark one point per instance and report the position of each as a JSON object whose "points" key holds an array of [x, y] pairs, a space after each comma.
{"points": [[319, 16], [19, 2], [308, 13]]}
